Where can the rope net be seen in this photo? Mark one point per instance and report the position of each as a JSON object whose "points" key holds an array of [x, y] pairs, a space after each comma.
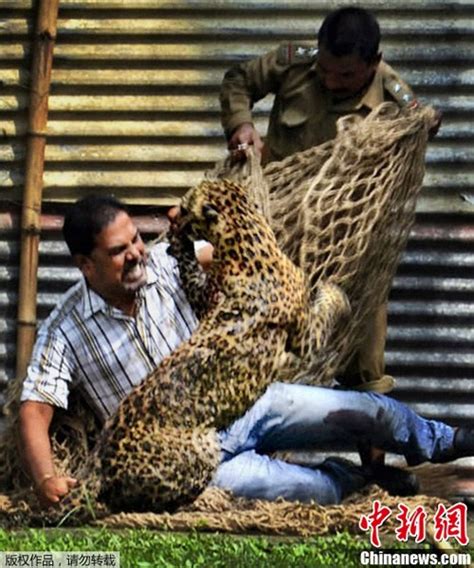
{"points": [[342, 212]]}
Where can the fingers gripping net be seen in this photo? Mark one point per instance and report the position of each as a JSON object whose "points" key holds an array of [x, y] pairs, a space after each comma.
{"points": [[248, 174], [342, 211]]}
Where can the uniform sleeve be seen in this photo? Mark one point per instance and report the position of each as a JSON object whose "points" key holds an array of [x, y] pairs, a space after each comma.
{"points": [[245, 84], [49, 375]]}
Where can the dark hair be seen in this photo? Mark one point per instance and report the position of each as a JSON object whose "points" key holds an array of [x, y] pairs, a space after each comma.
{"points": [[86, 219], [349, 31]]}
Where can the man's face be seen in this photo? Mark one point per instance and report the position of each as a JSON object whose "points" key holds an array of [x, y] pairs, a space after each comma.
{"points": [[116, 267], [346, 75]]}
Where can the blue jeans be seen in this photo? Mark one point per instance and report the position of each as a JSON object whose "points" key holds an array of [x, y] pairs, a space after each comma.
{"points": [[300, 417]]}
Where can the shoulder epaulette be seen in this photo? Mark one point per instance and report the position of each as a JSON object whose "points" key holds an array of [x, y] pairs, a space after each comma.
{"points": [[399, 90], [293, 53]]}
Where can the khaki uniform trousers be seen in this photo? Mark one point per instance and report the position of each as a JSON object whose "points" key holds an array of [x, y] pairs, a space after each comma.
{"points": [[366, 369]]}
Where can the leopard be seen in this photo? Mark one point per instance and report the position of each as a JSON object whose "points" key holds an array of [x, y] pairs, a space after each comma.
{"points": [[160, 449]]}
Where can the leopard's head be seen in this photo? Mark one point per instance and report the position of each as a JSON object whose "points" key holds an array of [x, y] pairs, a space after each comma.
{"points": [[212, 210]]}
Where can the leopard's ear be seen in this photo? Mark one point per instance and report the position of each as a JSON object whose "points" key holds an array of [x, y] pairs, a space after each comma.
{"points": [[210, 214]]}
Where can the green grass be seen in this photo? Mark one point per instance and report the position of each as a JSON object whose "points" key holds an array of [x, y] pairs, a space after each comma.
{"points": [[151, 549]]}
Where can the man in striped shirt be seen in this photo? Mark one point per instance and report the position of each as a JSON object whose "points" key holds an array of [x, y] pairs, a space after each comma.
{"points": [[128, 312]]}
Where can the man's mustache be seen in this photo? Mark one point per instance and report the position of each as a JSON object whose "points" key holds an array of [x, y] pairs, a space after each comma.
{"points": [[131, 264]]}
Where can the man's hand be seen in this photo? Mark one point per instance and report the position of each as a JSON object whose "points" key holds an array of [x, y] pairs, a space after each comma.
{"points": [[179, 240], [174, 217], [437, 124], [244, 135], [52, 489], [173, 214]]}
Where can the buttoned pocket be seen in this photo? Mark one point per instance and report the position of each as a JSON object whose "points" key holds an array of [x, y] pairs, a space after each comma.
{"points": [[294, 113]]}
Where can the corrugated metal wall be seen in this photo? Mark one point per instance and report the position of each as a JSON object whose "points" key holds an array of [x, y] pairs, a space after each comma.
{"points": [[134, 99], [134, 110]]}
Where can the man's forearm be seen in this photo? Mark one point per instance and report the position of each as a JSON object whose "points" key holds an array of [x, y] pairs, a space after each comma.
{"points": [[245, 84], [235, 100], [35, 419]]}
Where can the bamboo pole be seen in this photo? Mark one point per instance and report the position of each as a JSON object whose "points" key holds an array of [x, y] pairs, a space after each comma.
{"points": [[42, 53]]}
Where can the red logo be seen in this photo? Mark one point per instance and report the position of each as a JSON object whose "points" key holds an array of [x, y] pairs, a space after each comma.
{"points": [[373, 521], [449, 522]]}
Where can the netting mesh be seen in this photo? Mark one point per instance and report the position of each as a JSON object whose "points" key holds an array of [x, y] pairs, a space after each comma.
{"points": [[217, 510], [341, 211]]}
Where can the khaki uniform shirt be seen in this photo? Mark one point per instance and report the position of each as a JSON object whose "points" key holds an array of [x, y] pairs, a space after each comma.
{"points": [[304, 114]]}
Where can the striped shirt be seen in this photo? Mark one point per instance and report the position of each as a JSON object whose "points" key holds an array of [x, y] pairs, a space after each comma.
{"points": [[87, 344]]}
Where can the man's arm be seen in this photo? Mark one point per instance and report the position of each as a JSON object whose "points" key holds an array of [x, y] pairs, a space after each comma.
{"points": [[242, 86], [35, 419]]}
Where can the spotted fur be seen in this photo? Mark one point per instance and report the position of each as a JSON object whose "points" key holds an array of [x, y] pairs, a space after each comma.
{"points": [[160, 449]]}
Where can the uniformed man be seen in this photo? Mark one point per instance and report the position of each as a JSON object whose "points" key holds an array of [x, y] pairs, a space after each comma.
{"points": [[313, 88]]}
